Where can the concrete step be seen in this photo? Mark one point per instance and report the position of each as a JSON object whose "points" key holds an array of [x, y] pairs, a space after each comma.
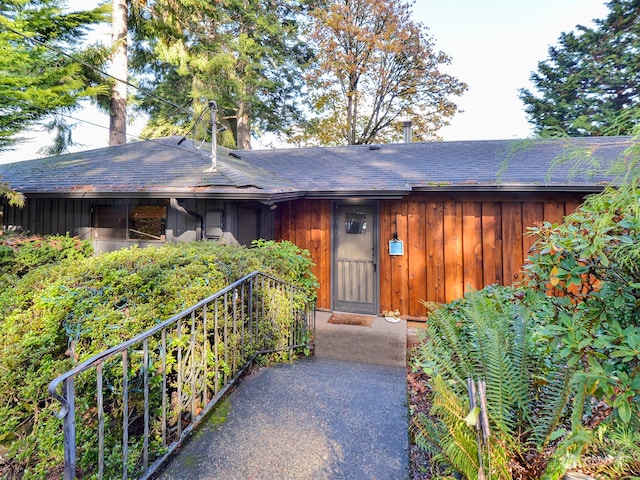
{"points": [[380, 343]]}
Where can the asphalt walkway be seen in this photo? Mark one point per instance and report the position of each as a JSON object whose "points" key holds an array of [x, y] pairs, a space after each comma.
{"points": [[314, 419]]}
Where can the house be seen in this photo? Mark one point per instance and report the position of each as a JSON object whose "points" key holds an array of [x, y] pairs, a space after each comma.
{"points": [[387, 225]]}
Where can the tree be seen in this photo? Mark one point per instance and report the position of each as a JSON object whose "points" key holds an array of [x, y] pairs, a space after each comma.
{"points": [[589, 84], [118, 99], [374, 67], [38, 76], [244, 54], [15, 198]]}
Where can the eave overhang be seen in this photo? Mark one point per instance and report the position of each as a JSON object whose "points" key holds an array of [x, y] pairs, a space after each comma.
{"points": [[511, 188]]}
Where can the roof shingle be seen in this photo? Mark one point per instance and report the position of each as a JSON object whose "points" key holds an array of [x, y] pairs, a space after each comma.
{"points": [[163, 167]]}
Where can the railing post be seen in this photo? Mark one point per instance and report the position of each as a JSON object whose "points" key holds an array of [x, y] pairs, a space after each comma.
{"points": [[225, 339], [292, 329], [70, 431]]}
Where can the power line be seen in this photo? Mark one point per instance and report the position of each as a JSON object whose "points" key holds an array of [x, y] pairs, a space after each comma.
{"points": [[93, 67], [176, 147]]}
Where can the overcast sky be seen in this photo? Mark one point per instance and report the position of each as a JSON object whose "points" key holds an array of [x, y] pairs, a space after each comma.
{"points": [[494, 46]]}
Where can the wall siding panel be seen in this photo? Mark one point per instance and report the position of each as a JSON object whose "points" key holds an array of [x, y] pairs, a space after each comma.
{"points": [[416, 248], [452, 242], [307, 223], [435, 251], [472, 245], [384, 264], [554, 212], [400, 263], [532, 214], [512, 230], [491, 243], [453, 251]]}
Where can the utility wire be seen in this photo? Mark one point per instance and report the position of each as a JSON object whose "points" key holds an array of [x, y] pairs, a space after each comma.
{"points": [[176, 147], [93, 67]]}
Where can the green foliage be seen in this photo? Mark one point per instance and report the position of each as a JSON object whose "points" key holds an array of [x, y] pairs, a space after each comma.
{"points": [[587, 85], [287, 257], [587, 271], [15, 198], [22, 254], [60, 313], [568, 333], [246, 55], [487, 335], [36, 81]]}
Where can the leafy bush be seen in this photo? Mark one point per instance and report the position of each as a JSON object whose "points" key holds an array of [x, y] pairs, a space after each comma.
{"points": [[568, 333], [489, 336], [59, 314], [19, 255]]}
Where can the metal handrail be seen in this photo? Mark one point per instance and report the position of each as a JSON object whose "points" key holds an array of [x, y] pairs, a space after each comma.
{"points": [[187, 364]]}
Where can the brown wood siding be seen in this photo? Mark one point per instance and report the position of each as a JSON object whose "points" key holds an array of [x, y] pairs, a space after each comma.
{"points": [[435, 253], [452, 242], [307, 223], [472, 240]]}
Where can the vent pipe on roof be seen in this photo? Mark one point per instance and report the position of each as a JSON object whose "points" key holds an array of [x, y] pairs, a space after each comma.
{"points": [[213, 108], [406, 129]]}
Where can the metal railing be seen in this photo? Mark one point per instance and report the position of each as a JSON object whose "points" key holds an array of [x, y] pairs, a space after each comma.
{"points": [[128, 408]]}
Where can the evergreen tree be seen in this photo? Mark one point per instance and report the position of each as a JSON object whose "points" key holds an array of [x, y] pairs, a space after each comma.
{"points": [[244, 54], [589, 85], [38, 77]]}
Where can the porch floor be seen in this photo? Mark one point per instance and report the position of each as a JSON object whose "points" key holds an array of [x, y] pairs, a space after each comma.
{"points": [[381, 343]]}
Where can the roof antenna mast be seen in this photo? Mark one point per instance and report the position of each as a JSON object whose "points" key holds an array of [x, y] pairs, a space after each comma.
{"points": [[213, 109]]}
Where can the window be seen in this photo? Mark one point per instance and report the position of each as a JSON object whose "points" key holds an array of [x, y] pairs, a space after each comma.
{"points": [[147, 222], [122, 222], [355, 222]]}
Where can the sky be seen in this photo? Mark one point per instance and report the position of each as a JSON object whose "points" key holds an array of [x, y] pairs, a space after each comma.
{"points": [[494, 47]]}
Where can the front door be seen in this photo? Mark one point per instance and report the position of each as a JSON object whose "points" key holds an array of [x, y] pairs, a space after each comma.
{"points": [[354, 272]]}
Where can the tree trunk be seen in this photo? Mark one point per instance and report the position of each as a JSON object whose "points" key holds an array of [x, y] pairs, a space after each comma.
{"points": [[118, 101], [243, 126]]}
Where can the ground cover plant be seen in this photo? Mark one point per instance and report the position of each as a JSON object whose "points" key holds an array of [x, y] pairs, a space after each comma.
{"points": [[559, 354], [62, 305]]}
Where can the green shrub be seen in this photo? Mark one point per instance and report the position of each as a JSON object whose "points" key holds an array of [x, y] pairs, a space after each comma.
{"points": [[489, 336], [574, 322], [19, 255], [59, 314]]}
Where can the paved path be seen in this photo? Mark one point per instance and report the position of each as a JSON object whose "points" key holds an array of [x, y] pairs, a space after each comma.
{"points": [[315, 419]]}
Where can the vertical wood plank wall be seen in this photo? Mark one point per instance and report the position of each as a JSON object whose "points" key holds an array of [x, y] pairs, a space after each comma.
{"points": [[307, 223], [452, 242]]}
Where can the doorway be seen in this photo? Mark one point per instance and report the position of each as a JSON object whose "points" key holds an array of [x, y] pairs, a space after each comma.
{"points": [[354, 268]]}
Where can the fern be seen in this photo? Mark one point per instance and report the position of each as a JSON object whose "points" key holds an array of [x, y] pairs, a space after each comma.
{"points": [[622, 448], [553, 394], [494, 358], [441, 350], [486, 336], [459, 445]]}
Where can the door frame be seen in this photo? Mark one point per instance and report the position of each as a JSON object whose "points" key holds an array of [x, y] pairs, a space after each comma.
{"points": [[374, 226]]}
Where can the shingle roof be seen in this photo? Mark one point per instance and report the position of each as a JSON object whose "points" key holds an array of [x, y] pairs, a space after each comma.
{"points": [[162, 167], [490, 164]]}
